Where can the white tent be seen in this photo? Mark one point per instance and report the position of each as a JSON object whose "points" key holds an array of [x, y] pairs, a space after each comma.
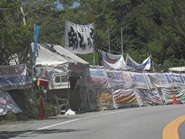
{"points": [[55, 55], [46, 57], [69, 56], [177, 69], [58, 62]]}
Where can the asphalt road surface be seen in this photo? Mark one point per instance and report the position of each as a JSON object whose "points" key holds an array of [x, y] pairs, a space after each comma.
{"points": [[130, 123]]}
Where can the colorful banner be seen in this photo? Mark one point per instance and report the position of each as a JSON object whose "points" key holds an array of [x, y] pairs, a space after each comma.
{"points": [[14, 77], [104, 99], [139, 80], [175, 80], [124, 98], [97, 78], [167, 80], [79, 39], [7, 104], [119, 79], [168, 94], [150, 96], [126, 80], [158, 80]]}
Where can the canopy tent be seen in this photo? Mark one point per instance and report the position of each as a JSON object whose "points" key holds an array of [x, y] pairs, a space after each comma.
{"points": [[46, 57], [54, 60], [69, 56]]}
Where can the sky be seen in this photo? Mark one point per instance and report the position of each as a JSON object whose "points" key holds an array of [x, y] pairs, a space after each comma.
{"points": [[75, 4]]}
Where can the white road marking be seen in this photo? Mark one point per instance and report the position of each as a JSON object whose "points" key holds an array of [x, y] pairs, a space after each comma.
{"points": [[66, 122]]}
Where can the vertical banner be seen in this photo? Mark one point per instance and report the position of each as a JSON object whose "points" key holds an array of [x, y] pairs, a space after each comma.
{"points": [[36, 37], [79, 39]]}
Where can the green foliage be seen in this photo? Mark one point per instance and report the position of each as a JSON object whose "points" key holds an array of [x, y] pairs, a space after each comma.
{"points": [[10, 117], [149, 27], [91, 58], [27, 103], [50, 109]]}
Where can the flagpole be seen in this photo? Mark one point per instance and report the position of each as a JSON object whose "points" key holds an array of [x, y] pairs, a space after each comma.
{"points": [[152, 61], [109, 39], [94, 59]]}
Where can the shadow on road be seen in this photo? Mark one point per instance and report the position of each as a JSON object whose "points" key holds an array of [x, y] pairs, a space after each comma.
{"points": [[26, 133]]}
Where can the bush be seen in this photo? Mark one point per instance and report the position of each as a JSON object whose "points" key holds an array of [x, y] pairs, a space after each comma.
{"points": [[10, 117], [50, 110], [27, 102]]}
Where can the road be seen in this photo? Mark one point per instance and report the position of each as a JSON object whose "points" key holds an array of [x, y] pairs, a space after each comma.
{"points": [[130, 123]]}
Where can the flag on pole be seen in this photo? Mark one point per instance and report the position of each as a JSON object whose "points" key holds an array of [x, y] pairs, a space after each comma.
{"points": [[79, 39], [36, 37]]}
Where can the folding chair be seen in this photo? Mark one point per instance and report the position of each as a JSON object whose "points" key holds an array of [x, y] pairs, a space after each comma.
{"points": [[62, 104]]}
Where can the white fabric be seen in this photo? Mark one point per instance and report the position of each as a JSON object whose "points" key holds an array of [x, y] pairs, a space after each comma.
{"points": [[79, 38], [69, 112], [111, 61], [118, 65], [61, 56], [145, 65], [177, 69], [46, 57], [70, 57]]}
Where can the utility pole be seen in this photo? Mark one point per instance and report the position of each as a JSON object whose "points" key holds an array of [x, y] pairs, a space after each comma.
{"points": [[121, 40], [109, 39]]}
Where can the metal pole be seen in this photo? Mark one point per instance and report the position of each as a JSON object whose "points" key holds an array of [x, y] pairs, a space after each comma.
{"points": [[68, 93], [94, 59]]}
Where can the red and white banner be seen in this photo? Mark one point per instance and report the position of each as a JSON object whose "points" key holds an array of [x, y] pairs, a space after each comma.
{"points": [[14, 77], [124, 98]]}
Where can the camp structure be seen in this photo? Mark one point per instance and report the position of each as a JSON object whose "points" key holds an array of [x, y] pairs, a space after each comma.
{"points": [[62, 69]]}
